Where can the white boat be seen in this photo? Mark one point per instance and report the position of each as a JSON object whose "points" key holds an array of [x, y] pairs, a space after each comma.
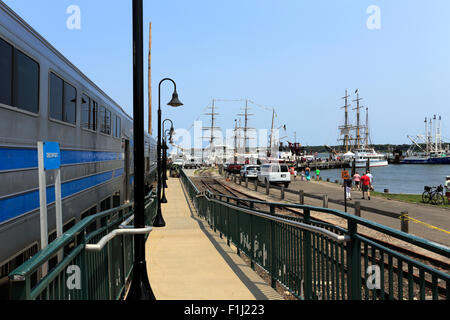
{"points": [[376, 159]]}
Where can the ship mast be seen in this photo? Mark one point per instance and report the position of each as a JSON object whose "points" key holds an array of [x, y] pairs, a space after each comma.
{"points": [[212, 128], [367, 126], [358, 120], [345, 130], [246, 116], [426, 134]]}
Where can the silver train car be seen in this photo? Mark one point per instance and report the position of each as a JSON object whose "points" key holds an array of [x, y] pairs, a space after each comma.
{"points": [[43, 97]]}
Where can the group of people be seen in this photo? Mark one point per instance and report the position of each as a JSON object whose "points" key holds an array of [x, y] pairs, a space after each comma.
{"points": [[363, 183], [306, 174]]}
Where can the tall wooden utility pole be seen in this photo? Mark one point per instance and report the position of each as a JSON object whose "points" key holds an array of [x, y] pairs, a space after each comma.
{"points": [[150, 82], [269, 152]]}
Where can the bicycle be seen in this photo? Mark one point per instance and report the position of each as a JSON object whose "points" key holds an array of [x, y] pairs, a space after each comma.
{"points": [[433, 195]]}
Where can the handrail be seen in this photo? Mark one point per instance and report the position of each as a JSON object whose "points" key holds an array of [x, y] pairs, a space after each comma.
{"points": [[33, 264], [420, 242], [122, 230], [333, 236], [117, 232]]}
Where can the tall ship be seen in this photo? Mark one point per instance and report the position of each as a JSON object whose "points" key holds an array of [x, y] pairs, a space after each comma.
{"points": [[431, 148], [356, 138]]}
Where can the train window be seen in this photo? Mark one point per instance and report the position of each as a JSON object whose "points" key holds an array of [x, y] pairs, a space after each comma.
{"points": [[6, 53], [56, 97], [69, 225], [118, 127], [114, 127], [85, 111], [105, 120], [108, 122], [89, 109], [89, 212], [26, 83], [116, 200], [94, 112], [105, 204], [63, 100], [70, 104], [101, 118]]}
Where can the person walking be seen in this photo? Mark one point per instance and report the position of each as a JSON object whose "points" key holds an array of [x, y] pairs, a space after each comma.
{"points": [[308, 174], [348, 188], [356, 180], [447, 188], [365, 185], [317, 174], [371, 180]]}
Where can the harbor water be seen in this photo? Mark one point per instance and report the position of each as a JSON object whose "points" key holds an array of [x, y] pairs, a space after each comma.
{"points": [[406, 179]]}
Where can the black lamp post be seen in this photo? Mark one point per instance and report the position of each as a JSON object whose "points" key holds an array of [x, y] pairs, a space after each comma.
{"points": [[171, 132], [140, 287], [175, 102], [164, 176]]}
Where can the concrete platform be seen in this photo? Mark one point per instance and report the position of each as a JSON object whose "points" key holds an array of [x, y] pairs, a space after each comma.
{"points": [[186, 260]]}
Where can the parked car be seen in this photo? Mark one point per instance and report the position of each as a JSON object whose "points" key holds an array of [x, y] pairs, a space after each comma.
{"points": [[192, 164], [234, 168], [179, 162], [275, 173], [250, 171]]}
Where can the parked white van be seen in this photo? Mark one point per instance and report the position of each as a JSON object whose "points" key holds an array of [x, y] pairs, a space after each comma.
{"points": [[275, 173]]}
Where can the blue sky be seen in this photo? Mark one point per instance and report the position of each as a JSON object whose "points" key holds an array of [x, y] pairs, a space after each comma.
{"points": [[296, 56]]}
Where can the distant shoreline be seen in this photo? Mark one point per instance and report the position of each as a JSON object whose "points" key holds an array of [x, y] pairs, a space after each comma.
{"points": [[385, 148]]}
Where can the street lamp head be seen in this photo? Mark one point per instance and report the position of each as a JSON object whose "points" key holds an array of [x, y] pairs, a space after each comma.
{"points": [[175, 102]]}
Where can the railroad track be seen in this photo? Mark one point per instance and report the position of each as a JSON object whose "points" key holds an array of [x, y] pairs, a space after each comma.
{"points": [[216, 186]]}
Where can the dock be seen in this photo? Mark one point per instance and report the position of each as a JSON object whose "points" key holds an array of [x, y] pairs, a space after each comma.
{"points": [[322, 165]]}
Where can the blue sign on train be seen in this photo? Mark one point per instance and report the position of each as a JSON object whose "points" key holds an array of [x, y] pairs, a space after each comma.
{"points": [[52, 156]]}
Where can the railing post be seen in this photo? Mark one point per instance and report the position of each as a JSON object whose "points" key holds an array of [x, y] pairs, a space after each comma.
{"points": [[307, 257], [267, 187], [301, 194], [358, 209], [325, 201], [85, 266], [246, 182], [282, 192], [354, 262], [256, 184], [228, 224], [21, 290], [404, 218], [272, 250]]}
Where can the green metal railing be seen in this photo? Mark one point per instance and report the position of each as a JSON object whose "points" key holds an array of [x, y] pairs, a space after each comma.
{"points": [[83, 274], [317, 260]]}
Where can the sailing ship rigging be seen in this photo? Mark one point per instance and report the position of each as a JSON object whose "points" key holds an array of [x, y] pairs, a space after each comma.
{"points": [[356, 138]]}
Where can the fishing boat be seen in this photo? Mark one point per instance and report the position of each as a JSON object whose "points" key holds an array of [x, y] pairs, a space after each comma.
{"points": [[431, 148]]}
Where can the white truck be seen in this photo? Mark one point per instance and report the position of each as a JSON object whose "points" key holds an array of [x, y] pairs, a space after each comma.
{"points": [[275, 173]]}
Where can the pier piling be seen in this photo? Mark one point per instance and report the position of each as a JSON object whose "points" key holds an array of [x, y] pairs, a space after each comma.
{"points": [[358, 209], [404, 218]]}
